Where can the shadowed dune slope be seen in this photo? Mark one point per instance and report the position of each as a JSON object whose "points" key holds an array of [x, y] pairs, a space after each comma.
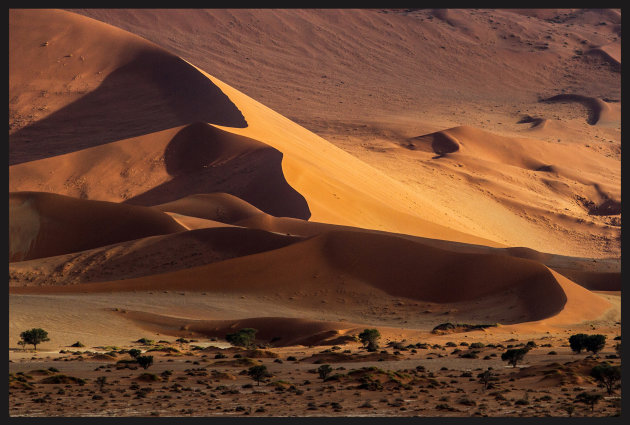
{"points": [[146, 256], [102, 84], [47, 224], [203, 159], [361, 263], [167, 165]]}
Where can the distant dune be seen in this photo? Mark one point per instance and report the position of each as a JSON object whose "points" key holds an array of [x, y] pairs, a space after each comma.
{"points": [[47, 224]]}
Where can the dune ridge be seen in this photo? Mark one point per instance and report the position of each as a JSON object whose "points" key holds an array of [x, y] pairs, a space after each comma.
{"points": [[47, 224], [359, 263], [113, 84], [283, 331]]}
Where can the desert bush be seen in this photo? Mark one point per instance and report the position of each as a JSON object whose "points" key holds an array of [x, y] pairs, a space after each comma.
{"points": [[63, 379], [77, 344], [369, 338], [145, 341], [324, 370], [34, 337], [149, 377], [486, 378], [291, 359], [477, 345], [145, 361], [134, 353], [513, 356], [101, 381], [243, 338]]}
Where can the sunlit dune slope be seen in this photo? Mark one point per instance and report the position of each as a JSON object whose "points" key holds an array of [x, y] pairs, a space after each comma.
{"points": [[75, 82], [47, 224], [336, 187]]}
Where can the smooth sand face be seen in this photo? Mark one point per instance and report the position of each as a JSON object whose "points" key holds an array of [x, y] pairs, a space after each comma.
{"points": [[154, 198]]}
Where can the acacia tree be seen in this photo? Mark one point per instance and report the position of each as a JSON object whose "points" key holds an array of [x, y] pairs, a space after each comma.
{"points": [[513, 356], [595, 343], [34, 336], [589, 398], [578, 342], [369, 338], [243, 338], [324, 370], [486, 378], [592, 343], [608, 375], [258, 373]]}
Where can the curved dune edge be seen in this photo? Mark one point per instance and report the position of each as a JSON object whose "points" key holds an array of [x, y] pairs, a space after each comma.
{"points": [[371, 264], [102, 84], [338, 187], [194, 223], [146, 256], [283, 331], [46, 224], [161, 167], [582, 305]]}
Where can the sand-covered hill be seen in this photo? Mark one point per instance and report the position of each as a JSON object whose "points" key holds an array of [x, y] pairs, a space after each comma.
{"points": [[373, 79], [135, 170]]}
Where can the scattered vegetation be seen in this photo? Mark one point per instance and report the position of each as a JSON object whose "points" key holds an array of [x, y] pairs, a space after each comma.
{"points": [[444, 328]]}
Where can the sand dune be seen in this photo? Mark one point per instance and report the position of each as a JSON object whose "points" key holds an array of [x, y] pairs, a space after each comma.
{"points": [[283, 331], [114, 84], [146, 256], [221, 207], [359, 263], [47, 224], [167, 165], [598, 110]]}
